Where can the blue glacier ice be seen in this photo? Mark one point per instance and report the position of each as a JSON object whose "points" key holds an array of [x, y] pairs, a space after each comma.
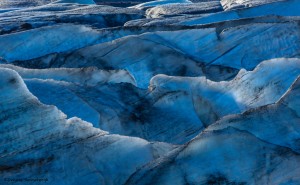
{"points": [[136, 92]]}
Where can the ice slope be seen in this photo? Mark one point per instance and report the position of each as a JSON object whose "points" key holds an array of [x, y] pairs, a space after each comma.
{"points": [[179, 9], [159, 2], [280, 8], [82, 76], [123, 109], [234, 4], [256, 147], [227, 156], [119, 108], [103, 35], [52, 92], [277, 123], [52, 14], [141, 63], [152, 115], [22, 3], [249, 89], [75, 1], [234, 47], [120, 3], [162, 21], [31, 3], [190, 52], [53, 86], [38, 141], [178, 19], [42, 41]]}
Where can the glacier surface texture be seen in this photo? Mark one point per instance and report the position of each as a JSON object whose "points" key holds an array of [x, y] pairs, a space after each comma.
{"points": [[142, 92]]}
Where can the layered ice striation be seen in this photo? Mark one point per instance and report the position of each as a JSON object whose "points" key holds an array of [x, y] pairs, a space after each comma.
{"points": [[249, 89], [260, 146], [102, 98], [181, 9], [280, 8], [73, 13], [37, 140], [115, 92], [191, 52]]}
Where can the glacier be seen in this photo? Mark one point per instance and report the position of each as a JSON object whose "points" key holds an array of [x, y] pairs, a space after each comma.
{"points": [[241, 149], [27, 139], [133, 92]]}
